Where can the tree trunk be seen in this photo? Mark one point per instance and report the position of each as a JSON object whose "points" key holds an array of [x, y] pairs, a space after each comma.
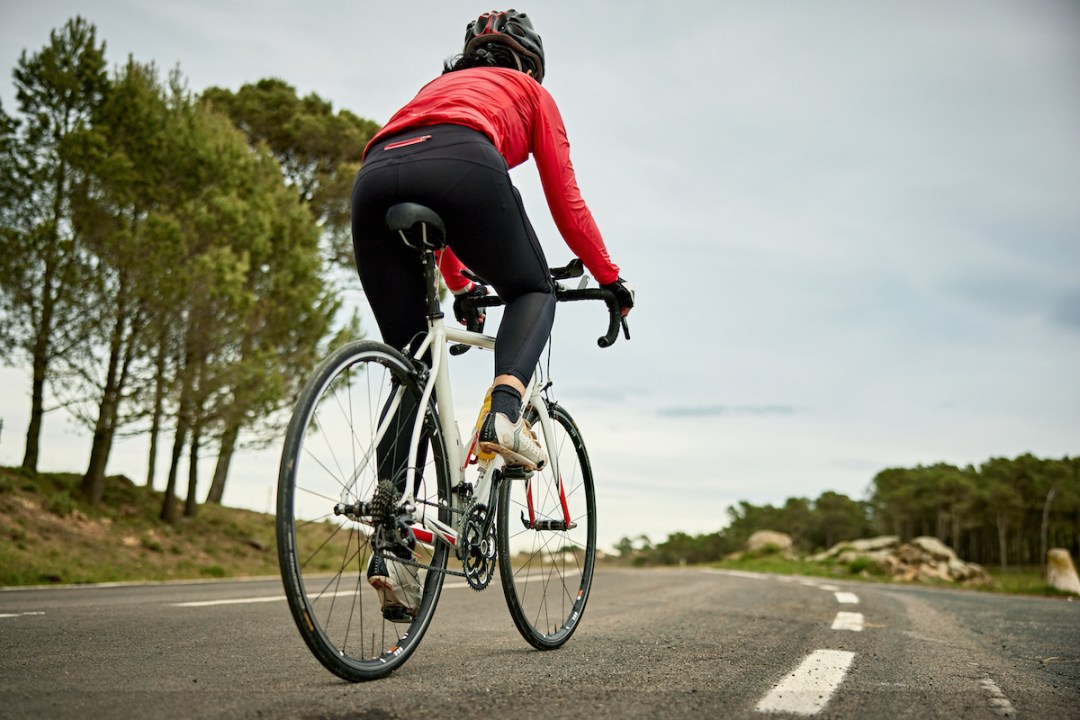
{"points": [[942, 525], [190, 504], [37, 395], [40, 364], [43, 341], [1002, 532], [159, 403], [123, 342], [168, 507], [1045, 526], [221, 470], [93, 482]]}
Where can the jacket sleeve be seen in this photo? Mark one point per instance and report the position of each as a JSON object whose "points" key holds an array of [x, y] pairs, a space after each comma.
{"points": [[451, 268], [551, 150]]}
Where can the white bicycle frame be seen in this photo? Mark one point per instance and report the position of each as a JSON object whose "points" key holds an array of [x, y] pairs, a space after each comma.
{"points": [[438, 384]]}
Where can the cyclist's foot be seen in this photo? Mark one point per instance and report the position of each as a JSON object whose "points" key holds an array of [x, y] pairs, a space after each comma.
{"points": [[398, 586], [516, 442]]}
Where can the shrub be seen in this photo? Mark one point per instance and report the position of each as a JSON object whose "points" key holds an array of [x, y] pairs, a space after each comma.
{"points": [[864, 564], [61, 503], [215, 571]]}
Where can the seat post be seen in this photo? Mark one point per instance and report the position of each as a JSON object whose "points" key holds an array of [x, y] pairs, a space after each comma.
{"points": [[421, 228], [431, 283]]}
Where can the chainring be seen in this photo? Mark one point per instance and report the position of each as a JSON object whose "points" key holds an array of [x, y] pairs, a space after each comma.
{"points": [[477, 548]]}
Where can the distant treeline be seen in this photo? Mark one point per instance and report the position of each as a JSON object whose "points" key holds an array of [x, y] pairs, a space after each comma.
{"points": [[1003, 512]]}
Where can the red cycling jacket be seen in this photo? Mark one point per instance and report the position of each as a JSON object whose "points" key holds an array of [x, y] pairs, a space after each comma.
{"points": [[520, 117]]}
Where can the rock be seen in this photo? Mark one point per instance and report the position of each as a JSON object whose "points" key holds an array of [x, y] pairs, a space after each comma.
{"points": [[883, 558], [934, 571], [768, 539], [937, 549], [924, 558], [257, 544], [906, 574], [858, 546], [912, 554], [959, 570], [978, 575], [872, 544], [1060, 571]]}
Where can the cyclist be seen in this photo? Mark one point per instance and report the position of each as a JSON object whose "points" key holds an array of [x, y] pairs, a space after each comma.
{"points": [[450, 148]]}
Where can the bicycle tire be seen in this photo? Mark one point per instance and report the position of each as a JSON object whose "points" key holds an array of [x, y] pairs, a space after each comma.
{"points": [[327, 459], [546, 574]]}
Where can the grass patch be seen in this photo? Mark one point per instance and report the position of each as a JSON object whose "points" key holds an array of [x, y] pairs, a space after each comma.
{"points": [[780, 565], [49, 535], [1014, 581], [1024, 581]]}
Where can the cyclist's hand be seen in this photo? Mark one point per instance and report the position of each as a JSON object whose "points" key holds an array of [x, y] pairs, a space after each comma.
{"points": [[471, 317], [624, 293]]}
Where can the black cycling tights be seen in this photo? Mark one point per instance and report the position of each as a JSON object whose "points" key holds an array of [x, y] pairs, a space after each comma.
{"points": [[459, 174]]}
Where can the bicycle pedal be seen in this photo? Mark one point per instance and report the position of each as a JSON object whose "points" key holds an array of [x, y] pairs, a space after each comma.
{"points": [[516, 472]]}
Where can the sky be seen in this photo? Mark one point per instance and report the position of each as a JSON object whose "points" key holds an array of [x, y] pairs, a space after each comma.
{"points": [[854, 228]]}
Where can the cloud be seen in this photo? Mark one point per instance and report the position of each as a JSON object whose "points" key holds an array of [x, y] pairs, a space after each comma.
{"points": [[703, 411], [1067, 310]]}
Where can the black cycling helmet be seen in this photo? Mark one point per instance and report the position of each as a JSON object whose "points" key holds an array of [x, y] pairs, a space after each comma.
{"points": [[511, 27]]}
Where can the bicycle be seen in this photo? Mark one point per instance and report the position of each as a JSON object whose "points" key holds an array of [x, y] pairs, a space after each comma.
{"points": [[334, 510]]}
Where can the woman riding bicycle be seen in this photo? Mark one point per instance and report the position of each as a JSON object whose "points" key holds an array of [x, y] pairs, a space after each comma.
{"points": [[451, 148]]}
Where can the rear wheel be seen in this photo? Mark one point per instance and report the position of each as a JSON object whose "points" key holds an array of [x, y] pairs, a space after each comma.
{"points": [[329, 461], [546, 563]]}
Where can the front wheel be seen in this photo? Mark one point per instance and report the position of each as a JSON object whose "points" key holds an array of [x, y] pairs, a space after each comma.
{"points": [[547, 538], [333, 459]]}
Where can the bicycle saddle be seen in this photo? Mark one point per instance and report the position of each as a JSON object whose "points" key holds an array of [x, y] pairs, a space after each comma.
{"points": [[404, 218]]}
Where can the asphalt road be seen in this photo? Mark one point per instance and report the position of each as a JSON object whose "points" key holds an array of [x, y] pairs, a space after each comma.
{"points": [[653, 644]]}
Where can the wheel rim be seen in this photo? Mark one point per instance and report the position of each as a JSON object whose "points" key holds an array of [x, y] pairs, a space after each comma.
{"points": [[329, 460], [547, 574]]}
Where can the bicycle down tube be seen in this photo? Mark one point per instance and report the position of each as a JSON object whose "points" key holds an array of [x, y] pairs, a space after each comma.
{"points": [[438, 382]]}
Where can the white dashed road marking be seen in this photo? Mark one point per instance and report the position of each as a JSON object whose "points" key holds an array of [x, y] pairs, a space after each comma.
{"points": [[807, 690], [22, 614], [998, 702], [848, 621]]}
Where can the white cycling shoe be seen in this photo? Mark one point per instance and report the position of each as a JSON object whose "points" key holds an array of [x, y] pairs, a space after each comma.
{"points": [[515, 442], [398, 586]]}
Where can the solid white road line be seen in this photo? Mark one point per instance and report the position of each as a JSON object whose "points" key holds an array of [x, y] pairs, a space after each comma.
{"points": [[245, 601], [233, 601], [848, 621], [846, 598], [808, 689]]}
